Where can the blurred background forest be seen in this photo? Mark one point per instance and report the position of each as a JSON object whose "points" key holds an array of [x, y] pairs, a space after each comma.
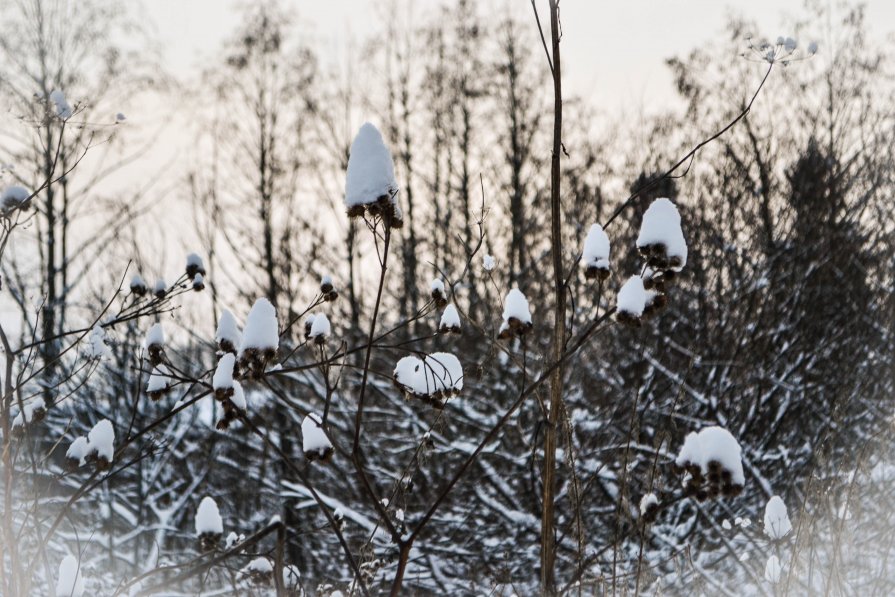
{"points": [[780, 328]]}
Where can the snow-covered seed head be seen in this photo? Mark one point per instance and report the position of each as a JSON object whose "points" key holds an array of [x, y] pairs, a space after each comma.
{"points": [[516, 315], [198, 283], [649, 508], [76, 455], [776, 519], [159, 382], [320, 329], [713, 464], [34, 411], [194, 265], [450, 321], [326, 284], [160, 289], [436, 291], [433, 379], [595, 254], [227, 335], [370, 181], [661, 240], [155, 344], [309, 323], [12, 198], [209, 524], [222, 381], [101, 445], [259, 572], [314, 442], [327, 289], [138, 286], [260, 339]]}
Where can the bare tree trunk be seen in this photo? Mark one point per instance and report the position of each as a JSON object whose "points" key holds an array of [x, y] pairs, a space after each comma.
{"points": [[548, 547]]}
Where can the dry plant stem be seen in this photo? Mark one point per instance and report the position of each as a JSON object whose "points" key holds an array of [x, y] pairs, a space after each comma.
{"points": [[548, 542]]}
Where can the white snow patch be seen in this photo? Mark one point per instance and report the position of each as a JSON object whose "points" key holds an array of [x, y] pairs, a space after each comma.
{"points": [[320, 326], [69, 582], [772, 570], [488, 262], [450, 318], [63, 108], [96, 344]]}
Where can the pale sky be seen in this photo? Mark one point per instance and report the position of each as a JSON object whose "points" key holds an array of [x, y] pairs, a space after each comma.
{"points": [[613, 50]]}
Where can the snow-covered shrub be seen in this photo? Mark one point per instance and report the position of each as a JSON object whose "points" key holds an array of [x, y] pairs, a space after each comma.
{"points": [[314, 442], [595, 255], [433, 379], [209, 524], [516, 315], [450, 321], [776, 519], [712, 462], [370, 185], [260, 339]]}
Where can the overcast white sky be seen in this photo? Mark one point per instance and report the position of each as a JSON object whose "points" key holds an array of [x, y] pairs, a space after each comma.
{"points": [[614, 50]]}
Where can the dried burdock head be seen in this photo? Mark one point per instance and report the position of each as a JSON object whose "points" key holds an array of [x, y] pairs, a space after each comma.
{"points": [[255, 361], [227, 346], [227, 417], [396, 219], [309, 323], [260, 577], [222, 394], [326, 285], [198, 283], [702, 495], [450, 329], [155, 354], [731, 490], [656, 303], [156, 395], [439, 297], [331, 296], [194, 266], [160, 293], [593, 272], [650, 512], [356, 211], [505, 333], [628, 319], [209, 541], [320, 455], [320, 340], [100, 462], [518, 327], [72, 464]]}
